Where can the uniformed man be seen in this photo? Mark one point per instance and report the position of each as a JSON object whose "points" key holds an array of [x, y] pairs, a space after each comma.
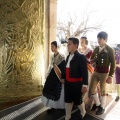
{"points": [[76, 79], [104, 62]]}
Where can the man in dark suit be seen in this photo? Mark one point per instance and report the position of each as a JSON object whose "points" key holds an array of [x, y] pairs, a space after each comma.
{"points": [[76, 78]]}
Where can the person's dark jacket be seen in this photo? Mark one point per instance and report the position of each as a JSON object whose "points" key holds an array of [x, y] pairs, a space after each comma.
{"points": [[78, 67]]}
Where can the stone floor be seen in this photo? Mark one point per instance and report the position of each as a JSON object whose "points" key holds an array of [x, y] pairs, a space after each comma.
{"points": [[34, 110]]}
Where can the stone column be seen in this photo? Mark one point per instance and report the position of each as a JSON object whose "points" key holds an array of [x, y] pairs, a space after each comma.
{"points": [[52, 19], [50, 28]]}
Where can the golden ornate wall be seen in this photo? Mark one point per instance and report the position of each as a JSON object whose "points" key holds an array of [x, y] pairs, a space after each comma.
{"points": [[21, 48]]}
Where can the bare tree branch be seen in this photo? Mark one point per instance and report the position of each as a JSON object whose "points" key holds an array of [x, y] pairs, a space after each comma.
{"points": [[73, 28]]}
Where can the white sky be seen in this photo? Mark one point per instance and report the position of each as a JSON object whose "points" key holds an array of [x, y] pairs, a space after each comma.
{"points": [[106, 10]]}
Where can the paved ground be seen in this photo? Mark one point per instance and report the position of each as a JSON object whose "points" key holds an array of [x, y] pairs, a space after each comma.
{"points": [[34, 110]]}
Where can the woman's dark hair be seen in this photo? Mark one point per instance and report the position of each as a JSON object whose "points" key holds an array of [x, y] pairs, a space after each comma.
{"points": [[86, 41], [54, 43], [102, 35]]}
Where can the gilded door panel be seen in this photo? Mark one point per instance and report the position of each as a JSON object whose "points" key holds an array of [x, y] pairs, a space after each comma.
{"points": [[21, 48]]}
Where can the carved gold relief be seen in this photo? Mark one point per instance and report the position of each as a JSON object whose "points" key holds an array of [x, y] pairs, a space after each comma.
{"points": [[21, 43]]}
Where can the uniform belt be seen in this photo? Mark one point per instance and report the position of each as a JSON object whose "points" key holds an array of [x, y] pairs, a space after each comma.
{"points": [[69, 79], [74, 79], [101, 69]]}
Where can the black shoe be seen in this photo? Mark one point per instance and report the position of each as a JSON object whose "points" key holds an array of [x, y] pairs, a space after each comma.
{"points": [[100, 110], [82, 117], [69, 119], [94, 107], [117, 99], [50, 110]]}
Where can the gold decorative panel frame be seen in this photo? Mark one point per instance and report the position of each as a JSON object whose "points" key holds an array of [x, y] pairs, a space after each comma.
{"points": [[21, 48]]}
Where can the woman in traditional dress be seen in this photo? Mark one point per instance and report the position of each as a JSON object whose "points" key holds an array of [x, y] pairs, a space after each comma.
{"points": [[117, 71], [84, 49], [53, 91]]}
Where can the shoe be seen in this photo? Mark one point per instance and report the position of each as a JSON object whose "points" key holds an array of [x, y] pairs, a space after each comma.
{"points": [[94, 107], [100, 110], [69, 119], [50, 110], [117, 98], [82, 117]]}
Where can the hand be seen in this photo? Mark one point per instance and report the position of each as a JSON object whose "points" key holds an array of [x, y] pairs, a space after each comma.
{"points": [[117, 65], [62, 81], [109, 80], [84, 89]]}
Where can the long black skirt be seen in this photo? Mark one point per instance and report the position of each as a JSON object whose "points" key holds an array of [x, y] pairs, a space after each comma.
{"points": [[52, 88]]}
